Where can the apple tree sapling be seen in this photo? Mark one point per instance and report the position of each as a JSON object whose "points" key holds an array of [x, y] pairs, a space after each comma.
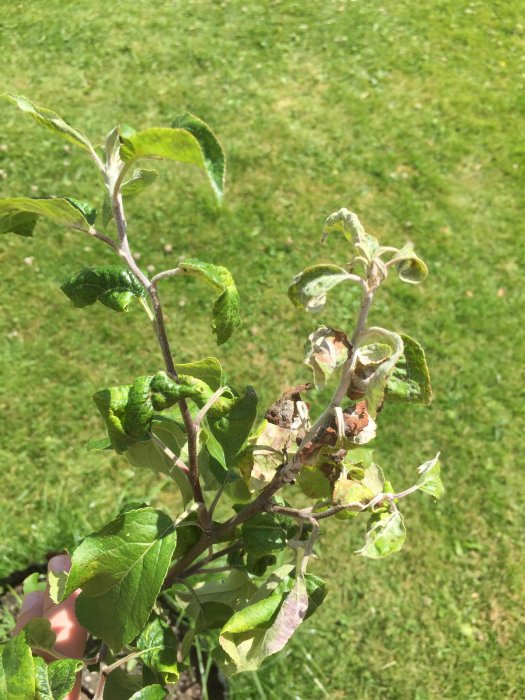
{"points": [[241, 581]]}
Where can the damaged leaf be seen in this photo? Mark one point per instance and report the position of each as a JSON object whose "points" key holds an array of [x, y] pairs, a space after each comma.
{"points": [[326, 350]]}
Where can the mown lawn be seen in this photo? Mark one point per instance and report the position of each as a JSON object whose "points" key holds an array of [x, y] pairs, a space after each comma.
{"points": [[410, 114]]}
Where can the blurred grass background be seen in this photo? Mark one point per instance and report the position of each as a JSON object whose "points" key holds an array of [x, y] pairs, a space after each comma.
{"points": [[409, 114]]}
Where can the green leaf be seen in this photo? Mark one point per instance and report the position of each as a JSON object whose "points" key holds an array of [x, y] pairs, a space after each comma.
{"points": [[347, 223], [232, 429], [146, 454], [150, 692], [326, 350], [125, 561], [430, 479], [309, 288], [56, 680], [208, 371], [160, 646], [313, 483], [214, 159], [386, 535], [349, 491], [376, 384], [410, 268], [129, 410], [39, 633], [265, 625], [174, 144], [316, 589], [410, 379], [17, 676], [225, 312], [374, 479], [263, 534], [51, 121], [20, 214], [138, 182], [112, 285], [32, 583]]}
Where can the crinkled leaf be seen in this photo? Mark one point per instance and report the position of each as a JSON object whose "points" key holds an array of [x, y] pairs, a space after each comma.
{"points": [[20, 214], [225, 312], [347, 223], [214, 159], [263, 534], [375, 388], [430, 479], [56, 680], [208, 371], [50, 120], [17, 676], [112, 285], [174, 144], [120, 570], [410, 379], [129, 410], [348, 491], [326, 350], [410, 268], [386, 535], [309, 288], [374, 353], [160, 645]]}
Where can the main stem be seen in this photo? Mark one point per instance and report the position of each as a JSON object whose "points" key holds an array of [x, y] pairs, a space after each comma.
{"points": [[160, 327], [288, 471]]}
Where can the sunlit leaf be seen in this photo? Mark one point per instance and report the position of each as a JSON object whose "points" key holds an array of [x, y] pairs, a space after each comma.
{"points": [[309, 288], [112, 285], [347, 223], [125, 561], [326, 350], [386, 535], [20, 214], [410, 268], [430, 479], [225, 312], [410, 379], [17, 676], [50, 120]]}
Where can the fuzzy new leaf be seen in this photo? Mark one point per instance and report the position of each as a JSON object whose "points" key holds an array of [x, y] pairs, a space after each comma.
{"points": [[112, 285], [309, 288], [386, 535], [409, 267], [430, 479], [377, 382], [326, 350], [347, 223]]}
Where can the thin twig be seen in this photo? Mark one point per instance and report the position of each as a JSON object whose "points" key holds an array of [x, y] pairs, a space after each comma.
{"points": [[169, 454], [102, 654], [96, 234], [165, 273], [209, 403]]}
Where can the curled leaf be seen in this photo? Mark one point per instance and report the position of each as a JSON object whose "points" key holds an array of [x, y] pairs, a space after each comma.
{"points": [[386, 535], [410, 268], [225, 313], [347, 223], [410, 379], [326, 350], [112, 285], [430, 479], [309, 288]]}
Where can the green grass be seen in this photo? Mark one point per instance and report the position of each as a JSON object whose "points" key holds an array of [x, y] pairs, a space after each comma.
{"points": [[410, 114]]}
